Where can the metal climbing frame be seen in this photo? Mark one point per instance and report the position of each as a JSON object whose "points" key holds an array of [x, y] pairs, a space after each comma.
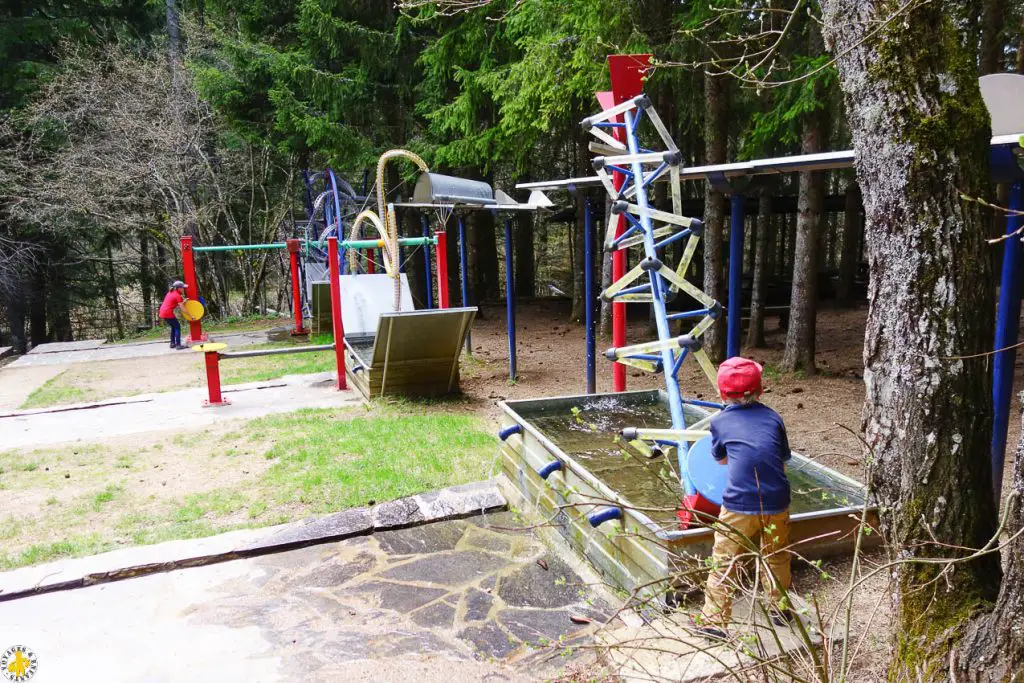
{"points": [[651, 280]]}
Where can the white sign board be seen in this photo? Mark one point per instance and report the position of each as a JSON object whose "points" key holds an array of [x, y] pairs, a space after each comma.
{"points": [[365, 297], [1004, 97]]}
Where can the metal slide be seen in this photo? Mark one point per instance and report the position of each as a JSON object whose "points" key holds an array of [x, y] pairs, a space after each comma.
{"points": [[408, 353]]}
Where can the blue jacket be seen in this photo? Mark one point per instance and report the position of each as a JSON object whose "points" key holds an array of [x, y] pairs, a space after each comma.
{"points": [[752, 437]]}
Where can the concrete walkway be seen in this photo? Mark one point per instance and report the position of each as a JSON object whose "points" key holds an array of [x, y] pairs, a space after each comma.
{"points": [[459, 600], [177, 409], [90, 352]]}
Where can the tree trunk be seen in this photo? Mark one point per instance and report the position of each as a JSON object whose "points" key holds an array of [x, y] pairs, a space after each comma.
{"points": [[606, 276], [145, 279], [803, 301], [175, 49], [37, 305], [522, 238], [1020, 47], [59, 301], [921, 135], [993, 647], [540, 251], [483, 257], [755, 333], [849, 256], [993, 21], [15, 295], [115, 300], [716, 130]]}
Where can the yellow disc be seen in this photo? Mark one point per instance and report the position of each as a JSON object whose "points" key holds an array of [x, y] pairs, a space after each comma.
{"points": [[194, 310], [207, 347]]}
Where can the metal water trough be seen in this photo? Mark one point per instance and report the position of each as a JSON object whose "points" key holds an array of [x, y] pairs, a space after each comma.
{"points": [[632, 550]]}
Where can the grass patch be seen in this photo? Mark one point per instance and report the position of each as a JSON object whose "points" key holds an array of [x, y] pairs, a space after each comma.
{"points": [[262, 368], [56, 391], [77, 546], [103, 497], [330, 465], [282, 468]]}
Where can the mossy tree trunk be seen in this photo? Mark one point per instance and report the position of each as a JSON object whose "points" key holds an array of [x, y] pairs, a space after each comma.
{"points": [[993, 649], [921, 132], [849, 258]]}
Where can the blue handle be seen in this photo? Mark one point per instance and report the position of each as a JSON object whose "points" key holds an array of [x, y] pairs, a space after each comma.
{"points": [[509, 431], [552, 466], [601, 516]]}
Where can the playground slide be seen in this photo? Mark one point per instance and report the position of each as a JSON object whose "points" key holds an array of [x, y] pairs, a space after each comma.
{"points": [[405, 353], [413, 353]]}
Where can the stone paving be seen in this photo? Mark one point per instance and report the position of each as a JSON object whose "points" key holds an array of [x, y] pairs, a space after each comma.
{"points": [[90, 351], [450, 601], [62, 347]]}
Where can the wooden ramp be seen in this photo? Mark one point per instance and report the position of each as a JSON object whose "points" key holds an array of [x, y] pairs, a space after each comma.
{"points": [[414, 353]]}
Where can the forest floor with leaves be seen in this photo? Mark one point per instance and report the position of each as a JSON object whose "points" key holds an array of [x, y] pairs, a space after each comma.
{"points": [[126, 492]]}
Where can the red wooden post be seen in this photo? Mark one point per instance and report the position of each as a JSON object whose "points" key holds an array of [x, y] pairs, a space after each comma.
{"points": [[336, 322], [293, 256], [442, 269], [627, 73], [213, 380], [188, 264]]}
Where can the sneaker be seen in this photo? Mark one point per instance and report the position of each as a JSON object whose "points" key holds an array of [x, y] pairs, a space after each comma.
{"points": [[703, 629], [712, 633], [180, 347]]}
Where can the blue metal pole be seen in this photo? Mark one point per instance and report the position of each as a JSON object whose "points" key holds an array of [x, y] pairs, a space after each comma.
{"points": [[588, 274], [658, 285], [1007, 326], [510, 302], [464, 275], [735, 275], [426, 263]]}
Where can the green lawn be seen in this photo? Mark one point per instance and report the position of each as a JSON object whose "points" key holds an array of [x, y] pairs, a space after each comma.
{"points": [[57, 391], [88, 498], [262, 368]]}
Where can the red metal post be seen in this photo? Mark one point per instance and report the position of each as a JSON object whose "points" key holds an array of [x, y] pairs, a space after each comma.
{"points": [[371, 267], [293, 256], [188, 264], [213, 380], [442, 269], [627, 73], [336, 322]]}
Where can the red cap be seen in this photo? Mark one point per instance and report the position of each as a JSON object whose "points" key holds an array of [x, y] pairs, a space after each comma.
{"points": [[738, 377]]}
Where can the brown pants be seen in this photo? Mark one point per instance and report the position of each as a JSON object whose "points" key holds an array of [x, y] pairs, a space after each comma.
{"points": [[736, 535]]}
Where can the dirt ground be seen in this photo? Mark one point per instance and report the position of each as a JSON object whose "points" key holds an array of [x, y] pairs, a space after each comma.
{"points": [[551, 362]]}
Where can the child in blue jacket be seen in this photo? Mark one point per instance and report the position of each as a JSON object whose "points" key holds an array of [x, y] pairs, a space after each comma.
{"points": [[750, 439]]}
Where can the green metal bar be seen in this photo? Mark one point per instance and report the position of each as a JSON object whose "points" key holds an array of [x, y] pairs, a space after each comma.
{"points": [[347, 244], [242, 247], [376, 244]]}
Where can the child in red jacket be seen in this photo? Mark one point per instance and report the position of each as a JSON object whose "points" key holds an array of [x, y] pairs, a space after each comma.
{"points": [[174, 302]]}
